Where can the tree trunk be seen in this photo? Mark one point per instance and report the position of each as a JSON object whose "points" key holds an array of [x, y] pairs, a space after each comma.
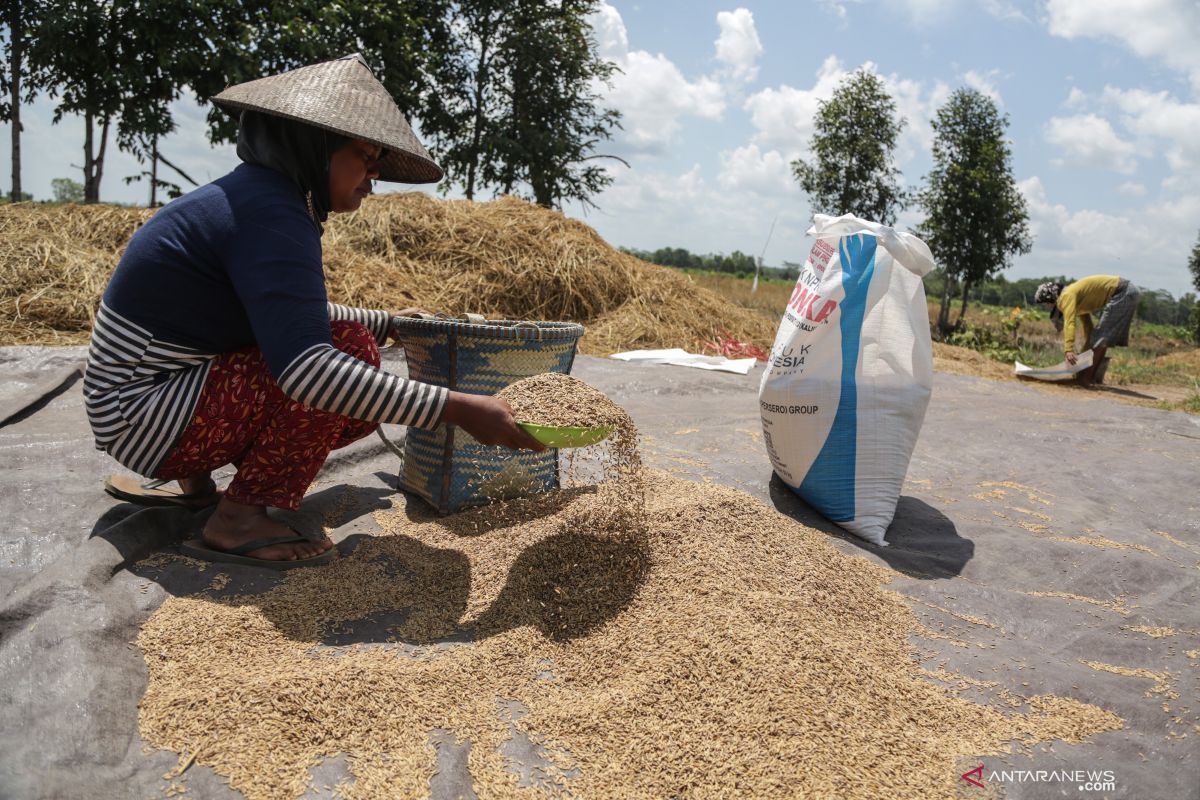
{"points": [[481, 76], [962, 312], [154, 172], [943, 322], [87, 156], [93, 166], [16, 35]]}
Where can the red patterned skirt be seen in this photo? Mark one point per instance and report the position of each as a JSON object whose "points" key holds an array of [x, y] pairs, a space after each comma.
{"points": [[278, 445]]}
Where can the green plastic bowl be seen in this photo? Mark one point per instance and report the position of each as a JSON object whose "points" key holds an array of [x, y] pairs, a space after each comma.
{"points": [[565, 437]]}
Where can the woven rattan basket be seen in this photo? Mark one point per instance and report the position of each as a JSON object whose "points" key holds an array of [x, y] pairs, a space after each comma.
{"points": [[447, 467]]}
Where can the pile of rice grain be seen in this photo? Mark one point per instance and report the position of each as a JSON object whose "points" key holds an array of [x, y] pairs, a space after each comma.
{"points": [[730, 651], [559, 400]]}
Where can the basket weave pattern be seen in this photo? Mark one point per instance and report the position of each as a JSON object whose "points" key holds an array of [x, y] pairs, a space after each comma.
{"points": [[447, 467]]}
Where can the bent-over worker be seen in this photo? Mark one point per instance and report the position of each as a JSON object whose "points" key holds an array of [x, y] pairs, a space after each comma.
{"points": [[1114, 297]]}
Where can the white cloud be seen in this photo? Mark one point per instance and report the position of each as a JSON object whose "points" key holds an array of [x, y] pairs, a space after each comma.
{"points": [[611, 39], [651, 93], [838, 8], [984, 83], [1076, 98], [1004, 10], [738, 45], [1158, 115], [1090, 141], [1148, 246], [1167, 30], [654, 208], [923, 13], [1132, 189], [766, 173], [783, 116]]}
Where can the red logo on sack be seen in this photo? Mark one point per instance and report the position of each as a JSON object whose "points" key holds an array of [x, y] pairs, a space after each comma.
{"points": [[978, 773], [802, 302]]}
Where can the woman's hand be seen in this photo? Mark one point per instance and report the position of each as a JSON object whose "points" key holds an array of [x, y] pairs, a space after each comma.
{"points": [[1071, 359], [488, 419]]}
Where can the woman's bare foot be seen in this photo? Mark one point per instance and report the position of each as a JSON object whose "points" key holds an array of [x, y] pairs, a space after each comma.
{"points": [[233, 524]]}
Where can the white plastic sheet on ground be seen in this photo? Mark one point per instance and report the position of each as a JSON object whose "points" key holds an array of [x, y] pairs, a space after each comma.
{"points": [[681, 358], [1059, 372], [849, 377]]}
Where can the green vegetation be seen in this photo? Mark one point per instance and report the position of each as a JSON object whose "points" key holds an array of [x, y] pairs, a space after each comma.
{"points": [[975, 217], [504, 91], [852, 170], [736, 263]]}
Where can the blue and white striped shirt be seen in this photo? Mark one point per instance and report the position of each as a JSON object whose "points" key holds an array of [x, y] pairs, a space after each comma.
{"points": [[234, 264]]}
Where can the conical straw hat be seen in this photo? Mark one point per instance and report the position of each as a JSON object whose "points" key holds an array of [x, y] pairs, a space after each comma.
{"points": [[342, 96]]}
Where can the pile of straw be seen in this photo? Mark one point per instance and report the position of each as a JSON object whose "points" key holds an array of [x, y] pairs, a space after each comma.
{"points": [[504, 259]]}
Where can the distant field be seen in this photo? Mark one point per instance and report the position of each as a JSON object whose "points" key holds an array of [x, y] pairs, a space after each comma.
{"points": [[1157, 356]]}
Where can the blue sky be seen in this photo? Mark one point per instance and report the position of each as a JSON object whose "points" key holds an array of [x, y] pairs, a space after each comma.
{"points": [[717, 98]]}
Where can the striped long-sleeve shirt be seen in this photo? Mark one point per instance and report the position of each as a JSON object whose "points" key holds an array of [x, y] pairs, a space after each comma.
{"points": [[234, 264]]}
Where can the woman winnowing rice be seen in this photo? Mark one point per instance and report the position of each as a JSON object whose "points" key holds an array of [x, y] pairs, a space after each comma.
{"points": [[214, 342], [1113, 296]]}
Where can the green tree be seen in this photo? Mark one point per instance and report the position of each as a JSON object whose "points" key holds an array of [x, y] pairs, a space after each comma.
{"points": [[66, 190], [124, 75], [85, 78], [975, 217], [19, 79], [852, 170], [408, 44], [527, 111]]}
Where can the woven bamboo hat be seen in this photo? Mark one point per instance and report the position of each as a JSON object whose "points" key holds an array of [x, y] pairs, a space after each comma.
{"points": [[345, 97]]}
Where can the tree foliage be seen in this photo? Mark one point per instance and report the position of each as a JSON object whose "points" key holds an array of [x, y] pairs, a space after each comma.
{"points": [[20, 79], [66, 190], [525, 107], [504, 90], [113, 63], [975, 217], [736, 263], [852, 170]]}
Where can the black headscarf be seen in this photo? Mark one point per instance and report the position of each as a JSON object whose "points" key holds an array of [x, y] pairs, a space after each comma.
{"points": [[298, 150]]}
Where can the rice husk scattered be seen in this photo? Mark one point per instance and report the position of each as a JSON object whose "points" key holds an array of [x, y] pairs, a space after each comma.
{"points": [[726, 651], [504, 259]]}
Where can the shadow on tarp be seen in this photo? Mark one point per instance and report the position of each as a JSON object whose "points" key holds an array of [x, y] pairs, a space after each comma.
{"points": [[565, 585], [922, 541]]}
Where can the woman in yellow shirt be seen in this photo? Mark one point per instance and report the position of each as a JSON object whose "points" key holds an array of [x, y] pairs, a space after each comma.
{"points": [[1114, 297]]}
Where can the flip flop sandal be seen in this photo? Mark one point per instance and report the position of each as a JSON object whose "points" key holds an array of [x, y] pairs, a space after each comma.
{"points": [[156, 493], [196, 548]]}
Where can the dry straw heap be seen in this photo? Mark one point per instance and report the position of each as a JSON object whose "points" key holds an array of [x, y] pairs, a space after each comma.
{"points": [[504, 259], [724, 651]]}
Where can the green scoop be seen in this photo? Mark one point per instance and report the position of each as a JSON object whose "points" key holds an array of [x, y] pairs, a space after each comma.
{"points": [[566, 436]]}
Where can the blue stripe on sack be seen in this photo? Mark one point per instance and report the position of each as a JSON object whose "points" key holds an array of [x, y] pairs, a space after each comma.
{"points": [[829, 484]]}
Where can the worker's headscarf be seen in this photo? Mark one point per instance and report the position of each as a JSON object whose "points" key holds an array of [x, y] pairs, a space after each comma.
{"points": [[297, 150], [1048, 292]]}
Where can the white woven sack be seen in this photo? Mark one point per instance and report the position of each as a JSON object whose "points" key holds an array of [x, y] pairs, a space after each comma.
{"points": [[849, 378]]}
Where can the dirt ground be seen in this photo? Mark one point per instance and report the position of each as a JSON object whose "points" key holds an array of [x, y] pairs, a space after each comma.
{"points": [[964, 361]]}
